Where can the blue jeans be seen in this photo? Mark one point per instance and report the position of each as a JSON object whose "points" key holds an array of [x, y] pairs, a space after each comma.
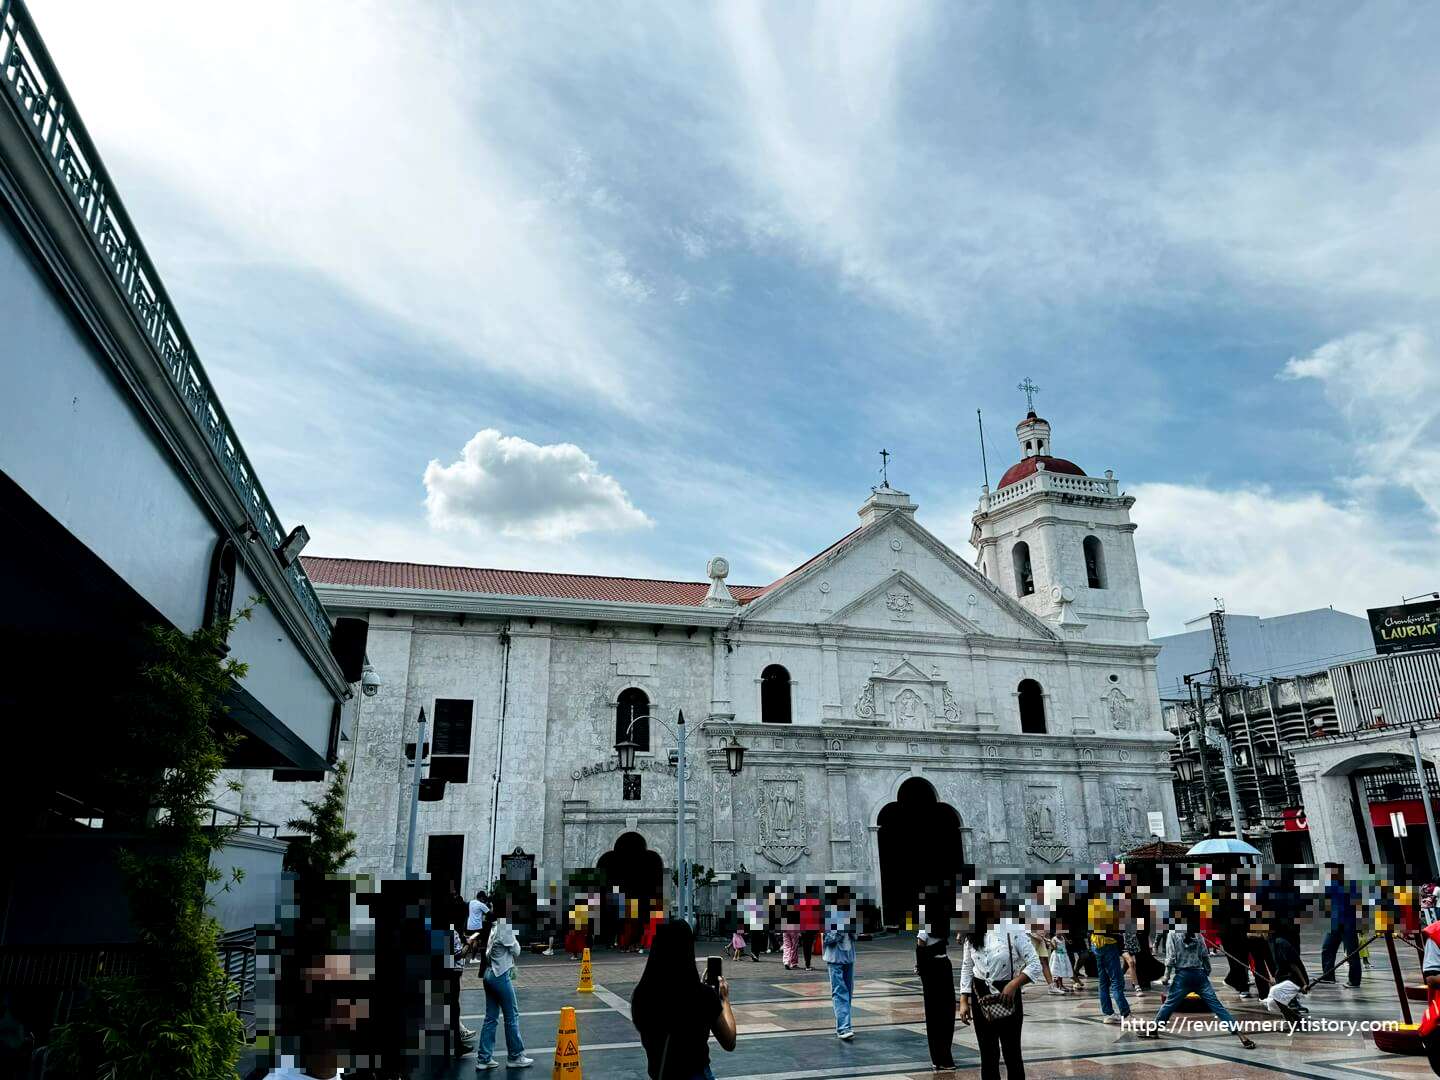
{"points": [[500, 997], [1333, 940], [1112, 980], [1188, 980], [842, 988]]}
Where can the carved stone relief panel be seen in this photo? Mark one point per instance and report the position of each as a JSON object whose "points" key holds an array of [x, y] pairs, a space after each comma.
{"points": [[784, 820], [1120, 709], [1128, 821], [1047, 824]]}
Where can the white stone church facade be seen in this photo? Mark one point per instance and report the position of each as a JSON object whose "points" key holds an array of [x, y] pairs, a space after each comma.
{"points": [[1021, 688]]}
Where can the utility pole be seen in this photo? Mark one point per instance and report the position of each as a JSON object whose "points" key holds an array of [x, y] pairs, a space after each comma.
{"points": [[1200, 744]]}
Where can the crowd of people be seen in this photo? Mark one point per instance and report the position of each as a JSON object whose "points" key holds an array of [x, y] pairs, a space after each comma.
{"points": [[1144, 933], [1113, 941]]}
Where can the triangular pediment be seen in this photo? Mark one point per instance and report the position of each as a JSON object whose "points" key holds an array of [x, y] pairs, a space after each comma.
{"points": [[902, 603], [850, 585], [905, 671]]}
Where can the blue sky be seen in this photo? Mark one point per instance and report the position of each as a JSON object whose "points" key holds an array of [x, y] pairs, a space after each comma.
{"points": [[614, 288]]}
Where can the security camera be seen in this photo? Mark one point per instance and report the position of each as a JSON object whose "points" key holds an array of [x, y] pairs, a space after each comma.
{"points": [[369, 682]]}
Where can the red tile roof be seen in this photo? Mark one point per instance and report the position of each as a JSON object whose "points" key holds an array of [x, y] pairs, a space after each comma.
{"points": [[1022, 469], [807, 563], [372, 573]]}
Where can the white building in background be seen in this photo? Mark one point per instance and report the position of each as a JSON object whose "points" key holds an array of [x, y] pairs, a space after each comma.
{"points": [[904, 710], [1277, 647], [1322, 761]]}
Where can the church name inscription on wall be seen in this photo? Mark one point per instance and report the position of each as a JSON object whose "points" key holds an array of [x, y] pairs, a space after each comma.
{"points": [[641, 765]]}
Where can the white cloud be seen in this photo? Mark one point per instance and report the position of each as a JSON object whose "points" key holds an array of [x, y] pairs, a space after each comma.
{"points": [[1386, 384], [508, 485], [1268, 554], [694, 244], [384, 148]]}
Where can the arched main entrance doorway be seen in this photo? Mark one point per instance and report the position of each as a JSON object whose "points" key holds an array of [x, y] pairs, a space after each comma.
{"points": [[639, 874], [920, 846]]}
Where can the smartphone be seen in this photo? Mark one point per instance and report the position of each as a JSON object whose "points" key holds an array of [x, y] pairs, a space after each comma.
{"points": [[712, 972]]}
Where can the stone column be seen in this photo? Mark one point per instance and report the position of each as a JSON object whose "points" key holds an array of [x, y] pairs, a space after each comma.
{"points": [[1097, 839], [520, 812], [838, 803], [1080, 722], [1050, 545], [722, 845], [994, 780], [985, 718], [720, 673], [1331, 827], [832, 705]]}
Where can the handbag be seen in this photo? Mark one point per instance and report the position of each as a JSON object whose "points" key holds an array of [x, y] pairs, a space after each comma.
{"points": [[993, 1006]]}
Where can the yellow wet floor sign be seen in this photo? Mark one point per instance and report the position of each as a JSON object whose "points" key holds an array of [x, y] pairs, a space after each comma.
{"points": [[567, 1047], [586, 986]]}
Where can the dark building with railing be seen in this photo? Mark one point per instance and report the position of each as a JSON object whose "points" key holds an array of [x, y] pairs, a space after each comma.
{"points": [[1321, 764]]}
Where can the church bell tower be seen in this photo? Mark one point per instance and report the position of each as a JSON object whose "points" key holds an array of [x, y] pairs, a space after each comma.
{"points": [[1061, 542]]}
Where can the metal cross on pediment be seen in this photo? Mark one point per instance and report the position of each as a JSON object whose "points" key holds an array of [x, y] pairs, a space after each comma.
{"points": [[1030, 390], [884, 468]]}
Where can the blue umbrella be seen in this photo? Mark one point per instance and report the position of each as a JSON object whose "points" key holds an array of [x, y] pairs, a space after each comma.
{"points": [[1223, 846]]}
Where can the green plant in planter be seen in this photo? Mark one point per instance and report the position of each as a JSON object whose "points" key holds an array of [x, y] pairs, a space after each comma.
{"points": [[325, 844], [169, 1019]]}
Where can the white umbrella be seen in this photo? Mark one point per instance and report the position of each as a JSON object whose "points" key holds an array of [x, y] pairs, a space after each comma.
{"points": [[1223, 846]]}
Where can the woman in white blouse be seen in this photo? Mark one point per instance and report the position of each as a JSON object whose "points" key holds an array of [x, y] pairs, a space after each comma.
{"points": [[998, 958]]}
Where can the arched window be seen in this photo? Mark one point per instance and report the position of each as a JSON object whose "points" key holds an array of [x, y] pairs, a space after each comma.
{"points": [[1032, 708], [775, 695], [633, 703], [1094, 563], [1024, 580]]}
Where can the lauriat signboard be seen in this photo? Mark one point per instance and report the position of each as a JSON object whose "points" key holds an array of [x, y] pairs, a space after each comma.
{"points": [[1406, 627]]}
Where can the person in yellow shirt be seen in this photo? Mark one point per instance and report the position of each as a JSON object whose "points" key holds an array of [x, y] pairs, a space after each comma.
{"points": [[1105, 939]]}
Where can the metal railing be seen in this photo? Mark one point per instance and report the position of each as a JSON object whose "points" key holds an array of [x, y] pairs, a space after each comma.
{"points": [[33, 84], [241, 821]]}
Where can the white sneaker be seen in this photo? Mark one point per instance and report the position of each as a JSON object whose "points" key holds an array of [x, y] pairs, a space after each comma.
{"points": [[481, 1066], [1111, 1019], [548, 952], [846, 1035], [1057, 991], [519, 1063]]}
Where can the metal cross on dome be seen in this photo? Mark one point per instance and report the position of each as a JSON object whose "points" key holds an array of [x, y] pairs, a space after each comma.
{"points": [[1030, 390], [885, 468]]}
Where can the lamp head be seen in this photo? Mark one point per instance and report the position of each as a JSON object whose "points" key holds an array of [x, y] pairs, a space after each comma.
{"points": [[734, 756]]}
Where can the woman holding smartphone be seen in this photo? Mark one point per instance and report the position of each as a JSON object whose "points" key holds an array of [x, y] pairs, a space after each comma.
{"points": [[676, 1011]]}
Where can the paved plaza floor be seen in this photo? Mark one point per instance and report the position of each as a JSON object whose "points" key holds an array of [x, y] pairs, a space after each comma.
{"points": [[787, 1030]]}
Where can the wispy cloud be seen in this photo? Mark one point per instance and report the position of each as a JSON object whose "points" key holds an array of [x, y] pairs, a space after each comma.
{"points": [[1386, 386]]}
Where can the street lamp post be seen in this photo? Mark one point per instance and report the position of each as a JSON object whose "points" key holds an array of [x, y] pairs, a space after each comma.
{"points": [[1237, 811], [625, 749]]}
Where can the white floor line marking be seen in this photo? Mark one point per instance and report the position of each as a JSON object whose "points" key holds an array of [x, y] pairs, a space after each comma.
{"points": [[615, 1001]]}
